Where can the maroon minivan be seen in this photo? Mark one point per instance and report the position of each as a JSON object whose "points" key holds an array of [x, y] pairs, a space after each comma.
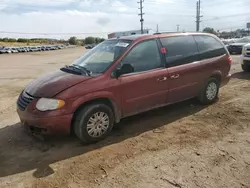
{"points": [[122, 77]]}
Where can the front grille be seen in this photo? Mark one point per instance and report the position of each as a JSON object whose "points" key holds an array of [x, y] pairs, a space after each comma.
{"points": [[236, 47], [246, 62], [24, 100]]}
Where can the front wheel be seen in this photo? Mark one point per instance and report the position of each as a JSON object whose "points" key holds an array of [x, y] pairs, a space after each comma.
{"points": [[93, 123], [245, 68], [210, 92]]}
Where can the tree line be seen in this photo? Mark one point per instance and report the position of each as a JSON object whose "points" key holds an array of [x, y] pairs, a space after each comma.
{"points": [[88, 40], [72, 40], [25, 40], [227, 34], [96, 40]]}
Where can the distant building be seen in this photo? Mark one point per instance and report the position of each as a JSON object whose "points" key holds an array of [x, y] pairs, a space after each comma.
{"points": [[126, 33]]}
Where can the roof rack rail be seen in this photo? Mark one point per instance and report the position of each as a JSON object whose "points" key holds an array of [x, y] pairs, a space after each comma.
{"points": [[166, 32]]}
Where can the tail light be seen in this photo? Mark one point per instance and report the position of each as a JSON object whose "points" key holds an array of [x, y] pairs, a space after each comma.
{"points": [[230, 60]]}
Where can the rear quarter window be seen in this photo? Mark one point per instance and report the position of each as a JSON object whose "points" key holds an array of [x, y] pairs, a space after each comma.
{"points": [[209, 47], [180, 50]]}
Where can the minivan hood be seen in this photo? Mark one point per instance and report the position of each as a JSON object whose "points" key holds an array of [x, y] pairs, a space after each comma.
{"points": [[247, 45], [53, 83]]}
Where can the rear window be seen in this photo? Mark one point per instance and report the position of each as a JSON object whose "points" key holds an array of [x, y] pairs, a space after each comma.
{"points": [[209, 47], [180, 50]]}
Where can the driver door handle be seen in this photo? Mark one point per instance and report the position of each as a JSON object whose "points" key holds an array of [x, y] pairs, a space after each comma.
{"points": [[162, 79]]}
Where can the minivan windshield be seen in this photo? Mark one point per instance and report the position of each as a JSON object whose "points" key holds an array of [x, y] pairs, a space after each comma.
{"points": [[97, 60]]}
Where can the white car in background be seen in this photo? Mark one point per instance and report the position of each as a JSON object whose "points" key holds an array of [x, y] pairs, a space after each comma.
{"points": [[14, 50], [6, 51], [245, 58], [33, 49]]}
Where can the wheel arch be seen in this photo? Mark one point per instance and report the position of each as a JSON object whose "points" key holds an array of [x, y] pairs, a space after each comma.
{"points": [[217, 75], [103, 100]]}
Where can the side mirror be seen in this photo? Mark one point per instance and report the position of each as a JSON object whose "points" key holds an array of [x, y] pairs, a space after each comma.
{"points": [[125, 69]]}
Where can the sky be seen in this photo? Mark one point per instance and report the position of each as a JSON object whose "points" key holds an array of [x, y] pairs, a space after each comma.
{"points": [[81, 18]]}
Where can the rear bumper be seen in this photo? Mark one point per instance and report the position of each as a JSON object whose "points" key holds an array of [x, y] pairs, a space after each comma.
{"points": [[58, 125], [225, 80]]}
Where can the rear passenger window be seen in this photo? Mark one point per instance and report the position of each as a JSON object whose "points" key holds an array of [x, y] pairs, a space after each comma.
{"points": [[180, 50], [209, 47]]}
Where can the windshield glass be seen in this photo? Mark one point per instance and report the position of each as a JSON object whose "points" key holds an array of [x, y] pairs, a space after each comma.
{"points": [[98, 59], [244, 40]]}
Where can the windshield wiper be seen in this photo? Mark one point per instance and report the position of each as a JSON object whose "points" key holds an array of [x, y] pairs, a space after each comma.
{"points": [[71, 70], [88, 72]]}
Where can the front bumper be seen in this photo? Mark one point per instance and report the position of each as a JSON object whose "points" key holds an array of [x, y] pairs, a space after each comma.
{"points": [[245, 59], [58, 125]]}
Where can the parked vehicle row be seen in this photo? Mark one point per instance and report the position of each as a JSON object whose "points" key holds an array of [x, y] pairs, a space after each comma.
{"points": [[240, 46], [122, 77], [235, 46], [8, 50]]}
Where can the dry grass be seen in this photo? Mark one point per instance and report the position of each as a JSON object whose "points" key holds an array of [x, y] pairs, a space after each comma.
{"points": [[19, 44]]}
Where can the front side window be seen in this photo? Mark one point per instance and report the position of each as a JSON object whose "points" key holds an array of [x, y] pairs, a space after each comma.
{"points": [[180, 50], [144, 56], [97, 60]]}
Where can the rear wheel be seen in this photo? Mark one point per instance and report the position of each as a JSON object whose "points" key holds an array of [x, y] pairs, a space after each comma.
{"points": [[245, 68], [210, 92], [93, 123]]}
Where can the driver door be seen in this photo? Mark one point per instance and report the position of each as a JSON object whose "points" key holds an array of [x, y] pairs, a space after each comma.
{"points": [[145, 88]]}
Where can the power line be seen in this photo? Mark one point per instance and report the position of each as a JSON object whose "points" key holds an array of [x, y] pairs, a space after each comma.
{"points": [[141, 15], [224, 21], [225, 2], [24, 33], [231, 15]]}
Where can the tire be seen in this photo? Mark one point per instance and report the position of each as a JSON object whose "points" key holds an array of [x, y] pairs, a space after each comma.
{"points": [[206, 98], [83, 131], [245, 68]]}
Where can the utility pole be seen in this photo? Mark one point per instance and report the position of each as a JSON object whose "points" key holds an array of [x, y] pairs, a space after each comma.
{"points": [[178, 27], [141, 15], [198, 15]]}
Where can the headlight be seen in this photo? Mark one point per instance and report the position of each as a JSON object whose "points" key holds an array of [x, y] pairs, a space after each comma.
{"points": [[44, 104], [244, 50]]}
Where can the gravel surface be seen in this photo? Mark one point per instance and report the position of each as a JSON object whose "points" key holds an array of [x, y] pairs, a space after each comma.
{"points": [[182, 145]]}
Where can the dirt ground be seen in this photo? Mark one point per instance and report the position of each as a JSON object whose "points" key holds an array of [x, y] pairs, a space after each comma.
{"points": [[182, 145]]}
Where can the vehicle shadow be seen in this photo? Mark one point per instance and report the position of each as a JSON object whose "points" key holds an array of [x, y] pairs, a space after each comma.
{"points": [[20, 152], [241, 75]]}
